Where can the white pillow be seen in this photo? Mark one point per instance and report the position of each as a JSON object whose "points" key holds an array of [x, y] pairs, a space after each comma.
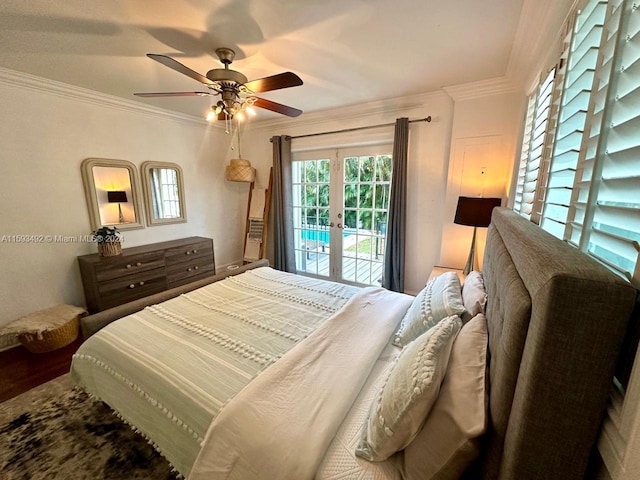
{"points": [[474, 296], [399, 410], [448, 441], [441, 298]]}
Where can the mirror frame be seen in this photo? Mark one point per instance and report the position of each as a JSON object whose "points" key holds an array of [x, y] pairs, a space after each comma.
{"points": [[145, 171], [92, 197]]}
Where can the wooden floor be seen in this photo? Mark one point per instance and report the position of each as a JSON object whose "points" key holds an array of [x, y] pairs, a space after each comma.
{"points": [[21, 370]]}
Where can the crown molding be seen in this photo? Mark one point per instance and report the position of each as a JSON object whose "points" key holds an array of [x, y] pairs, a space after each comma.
{"points": [[27, 81], [482, 88], [397, 105], [539, 28]]}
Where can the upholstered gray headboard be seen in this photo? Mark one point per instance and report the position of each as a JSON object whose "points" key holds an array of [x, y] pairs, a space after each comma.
{"points": [[556, 322]]}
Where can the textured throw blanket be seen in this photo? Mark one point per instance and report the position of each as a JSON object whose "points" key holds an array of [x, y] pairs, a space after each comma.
{"points": [[171, 368], [280, 425]]}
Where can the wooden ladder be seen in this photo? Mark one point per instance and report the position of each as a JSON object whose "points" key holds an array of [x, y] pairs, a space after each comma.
{"points": [[256, 230]]}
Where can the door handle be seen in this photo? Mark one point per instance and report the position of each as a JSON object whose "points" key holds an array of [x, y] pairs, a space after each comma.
{"points": [[339, 225], [332, 224]]}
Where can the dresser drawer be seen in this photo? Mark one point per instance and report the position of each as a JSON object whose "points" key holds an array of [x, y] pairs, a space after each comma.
{"points": [[194, 267], [116, 267], [131, 287], [188, 252]]}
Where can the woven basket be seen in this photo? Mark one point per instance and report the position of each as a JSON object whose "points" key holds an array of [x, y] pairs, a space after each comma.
{"points": [[240, 170], [51, 339], [109, 249]]}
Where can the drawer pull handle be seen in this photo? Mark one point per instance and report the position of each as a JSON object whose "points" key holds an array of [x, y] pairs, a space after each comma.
{"points": [[195, 268], [195, 251], [189, 269], [188, 252], [141, 283], [128, 265], [133, 285], [139, 264]]}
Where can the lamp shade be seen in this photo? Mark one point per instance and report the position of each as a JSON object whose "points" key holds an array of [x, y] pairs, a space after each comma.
{"points": [[117, 196], [475, 212]]}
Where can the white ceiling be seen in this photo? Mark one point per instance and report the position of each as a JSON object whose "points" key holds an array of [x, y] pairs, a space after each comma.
{"points": [[346, 51]]}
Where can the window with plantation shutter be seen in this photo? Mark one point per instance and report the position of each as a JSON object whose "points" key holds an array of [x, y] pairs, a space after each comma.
{"points": [[524, 155], [533, 146], [589, 186], [613, 210], [571, 134], [554, 118]]}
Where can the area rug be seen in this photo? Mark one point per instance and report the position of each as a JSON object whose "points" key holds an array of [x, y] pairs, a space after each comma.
{"points": [[55, 432]]}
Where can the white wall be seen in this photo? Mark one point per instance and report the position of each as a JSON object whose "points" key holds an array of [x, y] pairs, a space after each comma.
{"points": [[46, 136], [484, 142]]}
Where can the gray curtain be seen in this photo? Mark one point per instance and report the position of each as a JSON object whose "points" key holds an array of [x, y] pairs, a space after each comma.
{"points": [[282, 205], [393, 275]]}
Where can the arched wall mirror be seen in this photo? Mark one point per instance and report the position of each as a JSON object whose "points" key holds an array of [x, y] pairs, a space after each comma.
{"points": [[164, 193], [112, 191]]}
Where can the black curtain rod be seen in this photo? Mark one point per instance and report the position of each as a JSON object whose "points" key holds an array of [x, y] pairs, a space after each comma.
{"points": [[426, 119]]}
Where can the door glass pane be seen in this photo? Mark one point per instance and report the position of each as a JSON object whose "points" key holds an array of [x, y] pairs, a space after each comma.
{"points": [[366, 169], [323, 170], [350, 195], [366, 196], [311, 216], [365, 217]]}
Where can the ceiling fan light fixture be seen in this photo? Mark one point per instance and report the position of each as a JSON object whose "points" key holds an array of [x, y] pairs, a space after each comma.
{"points": [[251, 111], [212, 116], [237, 94]]}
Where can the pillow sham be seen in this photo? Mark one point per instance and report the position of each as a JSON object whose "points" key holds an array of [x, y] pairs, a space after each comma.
{"points": [[474, 296], [449, 439], [412, 387], [439, 299]]}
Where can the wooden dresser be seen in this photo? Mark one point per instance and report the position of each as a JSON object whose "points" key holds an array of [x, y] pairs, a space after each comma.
{"points": [[144, 270]]}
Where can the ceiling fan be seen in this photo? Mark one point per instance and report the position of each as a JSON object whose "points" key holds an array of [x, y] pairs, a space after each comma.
{"points": [[237, 95]]}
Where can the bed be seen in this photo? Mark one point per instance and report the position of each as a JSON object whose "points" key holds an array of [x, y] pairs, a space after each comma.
{"points": [[188, 374]]}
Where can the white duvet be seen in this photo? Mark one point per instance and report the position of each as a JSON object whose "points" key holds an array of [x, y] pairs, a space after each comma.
{"points": [[282, 423]]}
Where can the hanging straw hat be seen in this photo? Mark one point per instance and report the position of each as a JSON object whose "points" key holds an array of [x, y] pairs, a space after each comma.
{"points": [[240, 170]]}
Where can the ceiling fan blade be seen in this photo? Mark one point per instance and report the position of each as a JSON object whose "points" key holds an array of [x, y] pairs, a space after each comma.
{"points": [[178, 67], [175, 94], [277, 107], [274, 82]]}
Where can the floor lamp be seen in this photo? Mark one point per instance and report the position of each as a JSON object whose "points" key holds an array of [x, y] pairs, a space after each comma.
{"points": [[474, 212]]}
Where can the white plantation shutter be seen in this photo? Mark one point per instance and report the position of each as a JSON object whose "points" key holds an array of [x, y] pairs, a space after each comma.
{"points": [[613, 213], [533, 146], [590, 185], [572, 134], [524, 155], [542, 190]]}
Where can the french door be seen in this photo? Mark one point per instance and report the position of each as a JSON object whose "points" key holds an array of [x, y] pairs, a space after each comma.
{"points": [[340, 209]]}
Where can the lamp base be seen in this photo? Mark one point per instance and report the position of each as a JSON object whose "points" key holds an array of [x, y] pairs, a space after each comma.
{"points": [[120, 216], [471, 260]]}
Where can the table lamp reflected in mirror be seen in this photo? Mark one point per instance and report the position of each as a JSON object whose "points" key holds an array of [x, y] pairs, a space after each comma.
{"points": [[119, 197]]}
